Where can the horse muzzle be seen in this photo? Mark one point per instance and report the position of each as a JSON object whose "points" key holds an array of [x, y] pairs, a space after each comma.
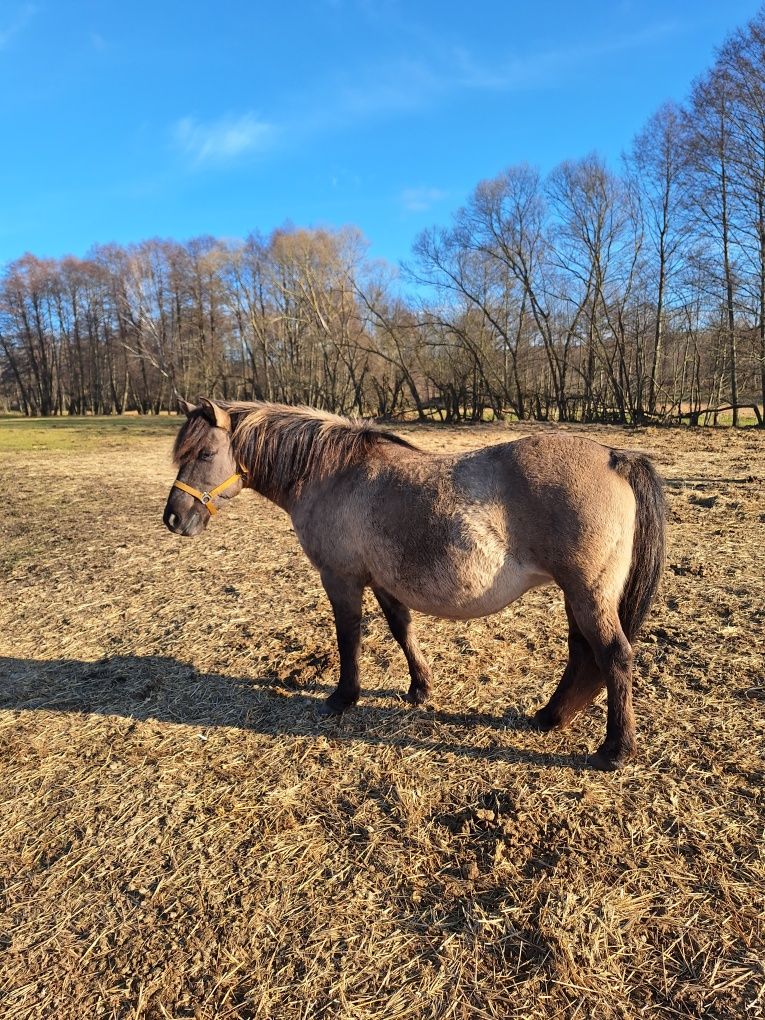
{"points": [[193, 522], [187, 524]]}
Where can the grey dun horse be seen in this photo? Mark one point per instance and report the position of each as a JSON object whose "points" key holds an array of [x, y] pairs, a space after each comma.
{"points": [[452, 536]]}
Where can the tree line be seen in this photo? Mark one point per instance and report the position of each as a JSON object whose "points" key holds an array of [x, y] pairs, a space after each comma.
{"points": [[589, 294]]}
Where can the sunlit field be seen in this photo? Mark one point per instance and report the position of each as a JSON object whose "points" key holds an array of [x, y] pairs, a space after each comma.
{"points": [[182, 835]]}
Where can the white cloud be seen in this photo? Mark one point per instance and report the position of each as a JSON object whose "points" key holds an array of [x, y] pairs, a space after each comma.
{"points": [[225, 139], [421, 199], [17, 24], [366, 95], [398, 87], [408, 84], [547, 67]]}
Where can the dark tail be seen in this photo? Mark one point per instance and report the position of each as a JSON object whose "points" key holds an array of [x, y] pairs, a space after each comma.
{"points": [[649, 543]]}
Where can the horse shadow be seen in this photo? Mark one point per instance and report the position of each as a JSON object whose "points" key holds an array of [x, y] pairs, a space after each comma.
{"points": [[164, 689]]}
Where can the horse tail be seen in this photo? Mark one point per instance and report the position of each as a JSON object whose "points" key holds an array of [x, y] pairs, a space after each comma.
{"points": [[649, 542]]}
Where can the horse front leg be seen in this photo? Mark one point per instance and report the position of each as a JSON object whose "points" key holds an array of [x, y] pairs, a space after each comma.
{"points": [[345, 596], [400, 622]]}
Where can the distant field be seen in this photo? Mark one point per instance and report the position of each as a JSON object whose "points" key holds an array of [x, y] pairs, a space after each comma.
{"points": [[181, 835], [87, 432], [77, 434]]}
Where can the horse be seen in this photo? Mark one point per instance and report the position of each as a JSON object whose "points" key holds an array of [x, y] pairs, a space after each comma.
{"points": [[456, 537]]}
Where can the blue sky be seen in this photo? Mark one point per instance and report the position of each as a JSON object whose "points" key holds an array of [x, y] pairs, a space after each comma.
{"points": [[123, 121]]}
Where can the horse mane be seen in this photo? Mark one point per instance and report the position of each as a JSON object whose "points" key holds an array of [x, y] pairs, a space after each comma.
{"points": [[282, 448], [191, 439]]}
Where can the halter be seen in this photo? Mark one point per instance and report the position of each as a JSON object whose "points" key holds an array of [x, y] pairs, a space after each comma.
{"points": [[206, 498]]}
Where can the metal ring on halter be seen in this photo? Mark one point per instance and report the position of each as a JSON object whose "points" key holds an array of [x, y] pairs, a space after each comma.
{"points": [[206, 498]]}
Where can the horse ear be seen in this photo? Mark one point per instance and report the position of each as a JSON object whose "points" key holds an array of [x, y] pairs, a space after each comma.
{"points": [[215, 415], [185, 407]]}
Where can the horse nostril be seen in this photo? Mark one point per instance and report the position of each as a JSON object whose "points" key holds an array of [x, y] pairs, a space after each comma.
{"points": [[172, 521]]}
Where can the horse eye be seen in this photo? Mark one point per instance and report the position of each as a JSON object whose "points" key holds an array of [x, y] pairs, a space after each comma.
{"points": [[207, 455]]}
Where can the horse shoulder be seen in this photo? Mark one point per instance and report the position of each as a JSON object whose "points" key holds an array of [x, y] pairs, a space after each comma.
{"points": [[327, 521]]}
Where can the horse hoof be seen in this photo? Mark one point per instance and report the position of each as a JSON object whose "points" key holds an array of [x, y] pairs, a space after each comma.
{"points": [[417, 696], [334, 706], [610, 759], [544, 720]]}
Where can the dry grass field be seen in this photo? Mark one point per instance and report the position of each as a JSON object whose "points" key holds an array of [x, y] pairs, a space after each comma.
{"points": [[181, 834]]}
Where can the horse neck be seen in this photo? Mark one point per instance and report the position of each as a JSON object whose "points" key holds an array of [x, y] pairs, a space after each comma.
{"points": [[279, 466], [258, 477]]}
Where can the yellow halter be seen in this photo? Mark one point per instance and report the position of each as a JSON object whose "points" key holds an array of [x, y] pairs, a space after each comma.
{"points": [[206, 498]]}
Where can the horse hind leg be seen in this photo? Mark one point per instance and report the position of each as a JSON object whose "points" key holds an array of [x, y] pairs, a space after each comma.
{"points": [[400, 622], [579, 685], [599, 623]]}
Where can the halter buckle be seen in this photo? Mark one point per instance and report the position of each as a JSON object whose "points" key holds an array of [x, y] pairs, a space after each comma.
{"points": [[205, 498]]}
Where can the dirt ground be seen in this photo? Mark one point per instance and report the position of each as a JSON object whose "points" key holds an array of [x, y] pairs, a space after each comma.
{"points": [[181, 834]]}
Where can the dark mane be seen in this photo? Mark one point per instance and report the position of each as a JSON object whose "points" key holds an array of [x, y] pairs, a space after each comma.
{"points": [[192, 438], [282, 448]]}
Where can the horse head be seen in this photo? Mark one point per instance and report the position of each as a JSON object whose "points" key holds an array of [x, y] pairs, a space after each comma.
{"points": [[208, 474]]}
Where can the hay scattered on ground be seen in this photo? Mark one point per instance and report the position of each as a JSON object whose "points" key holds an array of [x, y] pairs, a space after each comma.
{"points": [[181, 835]]}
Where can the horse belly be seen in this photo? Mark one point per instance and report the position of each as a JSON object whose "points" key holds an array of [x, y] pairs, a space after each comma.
{"points": [[467, 591]]}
